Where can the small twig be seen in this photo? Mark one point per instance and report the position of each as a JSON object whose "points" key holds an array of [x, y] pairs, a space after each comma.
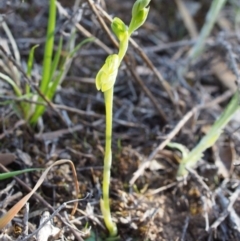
{"points": [[73, 110], [233, 218], [147, 91], [205, 212], [22, 99], [161, 189], [12, 198], [7, 188], [226, 212], [187, 18], [88, 214], [52, 215], [53, 135], [14, 48], [200, 181], [165, 46], [93, 114], [233, 63], [10, 131], [185, 227], [207, 195], [73, 229], [25, 219], [84, 31]]}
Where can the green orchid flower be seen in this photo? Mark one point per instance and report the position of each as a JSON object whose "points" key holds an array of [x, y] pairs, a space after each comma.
{"points": [[120, 29], [107, 75]]}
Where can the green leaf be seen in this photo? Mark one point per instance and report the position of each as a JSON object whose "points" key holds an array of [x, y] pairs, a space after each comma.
{"points": [[31, 60], [48, 51], [211, 137], [54, 84], [55, 61], [15, 173], [85, 41], [47, 60], [27, 106], [179, 147], [211, 17], [16, 89]]}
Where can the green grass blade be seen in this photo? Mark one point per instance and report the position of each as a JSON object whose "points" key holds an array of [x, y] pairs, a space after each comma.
{"points": [[27, 106], [15, 73], [47, 61], [85, 41], [41, 109], [57, 80], [55, 61], [184, 151], [211, 137], [48, 51], [54, 82], [15, 173], [16, 89], [31, 60], [211, 18], [54, 85], [37, 113]]}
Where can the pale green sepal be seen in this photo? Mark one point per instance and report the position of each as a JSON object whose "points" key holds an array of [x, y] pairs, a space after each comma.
{"points": [[139, 5], [139, 14], [107, 75], [120, 29]]}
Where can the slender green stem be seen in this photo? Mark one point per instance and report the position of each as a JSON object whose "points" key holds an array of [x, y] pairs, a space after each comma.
{"points": [[105, 80], [123, 46], [105, 204]]}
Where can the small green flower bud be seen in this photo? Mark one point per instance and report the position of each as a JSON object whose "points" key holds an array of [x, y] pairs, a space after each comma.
{"points": [[119, 28], [139, 14], [107, 75], [139, 5]]}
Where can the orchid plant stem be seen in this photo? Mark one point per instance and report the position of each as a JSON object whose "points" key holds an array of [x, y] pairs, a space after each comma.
{"points": [[105, 81], [105, 205]]}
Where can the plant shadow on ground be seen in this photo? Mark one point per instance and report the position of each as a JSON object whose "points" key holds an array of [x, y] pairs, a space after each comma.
{"points": [[156, 206]]}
